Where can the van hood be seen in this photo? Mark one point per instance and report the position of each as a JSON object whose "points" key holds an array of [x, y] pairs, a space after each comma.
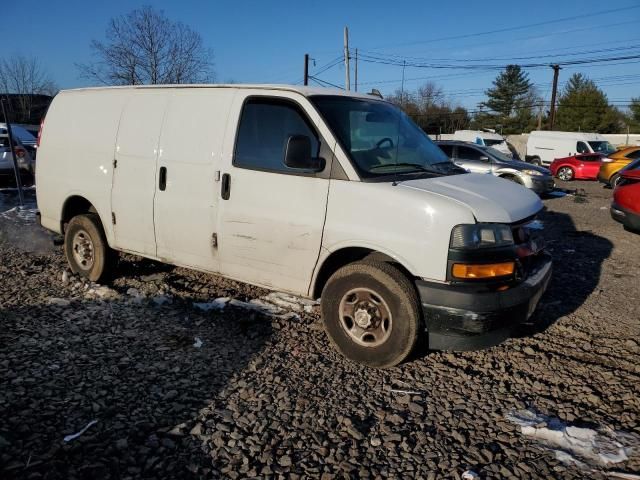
{"points": [[489, 198]]}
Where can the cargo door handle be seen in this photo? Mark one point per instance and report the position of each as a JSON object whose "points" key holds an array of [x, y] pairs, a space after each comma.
{"points": [[225, 190], [162, 179]]}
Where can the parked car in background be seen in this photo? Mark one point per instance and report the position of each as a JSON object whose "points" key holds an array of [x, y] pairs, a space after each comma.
{"points": [[614, 163], [478, 159], [577, 167], [485, 138], [626, 200], [26, 164], [28, 141], [544, 147], [328, 194]]}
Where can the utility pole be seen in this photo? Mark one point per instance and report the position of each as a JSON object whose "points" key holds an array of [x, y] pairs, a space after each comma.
{"points": [[552, 113], [540, 117], [404, 62], [347, 80], [13, 154], [306, 69], [356, 71]]}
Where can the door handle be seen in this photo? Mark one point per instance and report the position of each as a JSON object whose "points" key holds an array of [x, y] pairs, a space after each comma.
{"points": [[225, 190], [162, 179]]}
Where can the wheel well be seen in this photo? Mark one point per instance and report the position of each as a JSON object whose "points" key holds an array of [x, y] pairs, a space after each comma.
{"points": [[342, 257], [75, 205]]}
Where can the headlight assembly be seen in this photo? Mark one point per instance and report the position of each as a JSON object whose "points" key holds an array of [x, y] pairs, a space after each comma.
{"points": [[535, 173], [481, 235]]}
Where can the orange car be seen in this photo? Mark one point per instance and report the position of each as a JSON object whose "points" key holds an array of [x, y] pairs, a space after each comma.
{"points": [[616, 161]]}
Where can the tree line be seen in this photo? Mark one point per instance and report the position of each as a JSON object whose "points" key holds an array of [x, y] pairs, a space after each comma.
{"points": [[513, 105]]}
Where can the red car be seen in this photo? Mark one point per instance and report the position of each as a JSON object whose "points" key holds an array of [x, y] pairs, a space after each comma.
{"points": [[626, 200], [577, 167]]}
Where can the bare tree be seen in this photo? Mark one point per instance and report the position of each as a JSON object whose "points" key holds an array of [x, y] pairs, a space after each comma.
{"points": [[24, 77], [146, 47]]}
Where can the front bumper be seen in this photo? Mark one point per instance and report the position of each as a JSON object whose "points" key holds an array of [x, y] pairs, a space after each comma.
{"points": [[541, 184], [459, 319], [629, 219]]}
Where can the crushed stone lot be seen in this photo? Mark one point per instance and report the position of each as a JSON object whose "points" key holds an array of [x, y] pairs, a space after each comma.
{"points": [[169, 373]]}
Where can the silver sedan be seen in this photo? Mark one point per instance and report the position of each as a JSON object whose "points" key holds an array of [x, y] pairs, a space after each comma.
{"points": [[480, 159]]}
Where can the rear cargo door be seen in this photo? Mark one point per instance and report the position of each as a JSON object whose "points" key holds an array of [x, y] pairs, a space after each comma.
{"points": [[134, 175]]}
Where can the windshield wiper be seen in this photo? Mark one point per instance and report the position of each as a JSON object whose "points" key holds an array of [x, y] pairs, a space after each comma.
{"points": [[405, 164]]}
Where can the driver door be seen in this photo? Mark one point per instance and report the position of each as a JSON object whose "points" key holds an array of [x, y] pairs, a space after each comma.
{"points": [[472, 159], [271, 215]]}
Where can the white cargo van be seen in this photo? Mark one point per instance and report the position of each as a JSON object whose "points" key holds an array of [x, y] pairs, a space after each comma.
{"points": [[543, 147], [480, 137], [320, 193]]}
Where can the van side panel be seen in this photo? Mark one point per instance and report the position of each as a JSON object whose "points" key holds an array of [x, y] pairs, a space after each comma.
{"points": [[134, 178], [76, 153], [416, 228], [190, 150]]}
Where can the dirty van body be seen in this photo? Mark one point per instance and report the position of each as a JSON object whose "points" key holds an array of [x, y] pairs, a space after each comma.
{"points": [[319, 193]]}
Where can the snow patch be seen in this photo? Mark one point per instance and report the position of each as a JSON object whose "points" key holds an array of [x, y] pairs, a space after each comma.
{"points": [[573, 444], [275, 304], [217, 304]]}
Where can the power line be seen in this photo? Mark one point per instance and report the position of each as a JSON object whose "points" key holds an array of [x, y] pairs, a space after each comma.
{"points": [[583, 61], [511, 29], [324, 83], [509, 59]]}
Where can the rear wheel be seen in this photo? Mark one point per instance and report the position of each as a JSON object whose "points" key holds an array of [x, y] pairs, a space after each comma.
{"points": [[86, 248], [536, 161], [371, 313], [614, 180], [565, 173]]}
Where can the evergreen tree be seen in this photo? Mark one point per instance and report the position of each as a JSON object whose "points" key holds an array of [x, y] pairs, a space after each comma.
{"points": [[584, 107], [511, 102], [633, 118]]}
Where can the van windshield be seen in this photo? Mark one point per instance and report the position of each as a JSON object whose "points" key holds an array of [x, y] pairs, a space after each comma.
{"points": [[602, 147], [380, 139]]}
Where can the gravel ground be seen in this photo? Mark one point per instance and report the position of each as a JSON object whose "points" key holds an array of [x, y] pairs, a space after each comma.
{"points": [[171, 391]]}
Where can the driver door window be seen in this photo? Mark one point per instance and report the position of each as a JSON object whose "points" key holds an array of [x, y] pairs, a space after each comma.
{"points": [[265, 126], [466, 153]]}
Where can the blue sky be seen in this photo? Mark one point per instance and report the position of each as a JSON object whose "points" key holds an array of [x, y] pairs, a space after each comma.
{"points": [[265, 41]]}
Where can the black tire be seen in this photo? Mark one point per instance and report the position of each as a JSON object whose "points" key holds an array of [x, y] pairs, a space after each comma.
{"points": [[613, 181], [397, 294], [536, 161], [88, 227]]}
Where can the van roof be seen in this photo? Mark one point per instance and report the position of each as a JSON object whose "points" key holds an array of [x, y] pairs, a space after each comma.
{"points": [[481, 134], [306, 91], [555, 134]]}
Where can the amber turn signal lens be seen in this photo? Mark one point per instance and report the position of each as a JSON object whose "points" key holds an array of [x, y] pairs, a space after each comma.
{"points": [[488, 270]]}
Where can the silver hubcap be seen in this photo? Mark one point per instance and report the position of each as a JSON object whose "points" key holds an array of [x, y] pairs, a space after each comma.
{"points": [[83, 250], [365, 316], [565, 174]]}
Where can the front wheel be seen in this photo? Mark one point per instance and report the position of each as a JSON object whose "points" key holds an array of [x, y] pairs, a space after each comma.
{"points": [[566, 174], [536, 161], [86, 248], [371, 313]]}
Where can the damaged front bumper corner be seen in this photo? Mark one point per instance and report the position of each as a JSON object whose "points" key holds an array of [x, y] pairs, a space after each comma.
{"points": [[459, 319]]}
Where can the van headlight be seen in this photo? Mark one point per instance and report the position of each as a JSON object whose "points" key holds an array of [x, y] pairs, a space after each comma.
{"points": [[481, 235], [532, 172]]}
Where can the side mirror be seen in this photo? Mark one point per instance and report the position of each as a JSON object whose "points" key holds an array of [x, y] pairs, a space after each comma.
{"points": [[298, 154]]}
